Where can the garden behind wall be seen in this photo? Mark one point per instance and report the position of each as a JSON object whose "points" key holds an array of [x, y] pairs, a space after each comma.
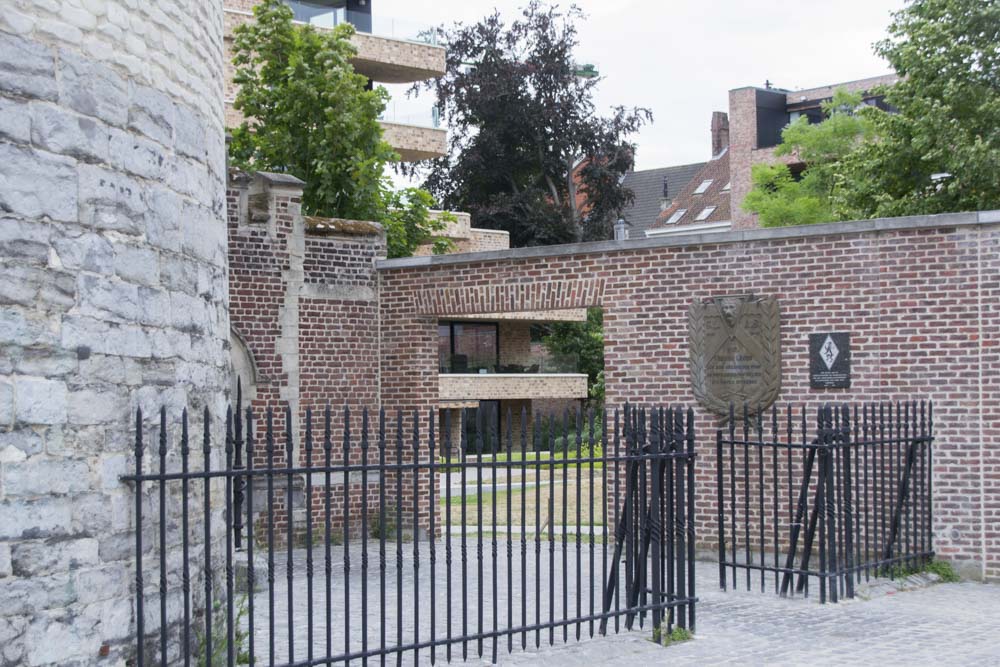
{"points": [[920, 297], [323, 319]]}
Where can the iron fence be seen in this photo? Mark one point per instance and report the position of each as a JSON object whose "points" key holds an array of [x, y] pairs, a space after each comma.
{"points": [[383, 546], [854, 501]]}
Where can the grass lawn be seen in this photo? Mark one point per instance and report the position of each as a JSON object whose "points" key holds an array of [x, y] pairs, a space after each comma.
{"points": [[540, 502]]}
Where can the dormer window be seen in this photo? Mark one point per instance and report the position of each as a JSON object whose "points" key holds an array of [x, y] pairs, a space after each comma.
{"points": [[700, 190], [705, 212], [678, 214], [727, 186]]}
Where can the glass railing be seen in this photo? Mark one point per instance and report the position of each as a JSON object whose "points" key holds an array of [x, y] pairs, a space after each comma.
{"points": [[411, 114], [382, 26], [529, 364]]}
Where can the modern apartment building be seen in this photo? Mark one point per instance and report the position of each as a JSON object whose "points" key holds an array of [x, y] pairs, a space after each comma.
{"points": [[389, 51], [711, 199]]}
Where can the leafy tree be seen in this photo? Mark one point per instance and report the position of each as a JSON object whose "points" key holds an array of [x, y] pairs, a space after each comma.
{"points": [[778, 197], [583, 342], [941, 151], [308, 113], [937, 149], [528, 152]]}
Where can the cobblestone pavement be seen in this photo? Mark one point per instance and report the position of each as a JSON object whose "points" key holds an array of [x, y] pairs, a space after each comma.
{"points": [[940, 624]]}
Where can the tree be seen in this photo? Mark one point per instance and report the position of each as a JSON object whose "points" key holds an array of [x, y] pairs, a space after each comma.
{"points": [[778, 198], [528, 153], [936, 149], [584, 343], [308, 113], [940, 151]]}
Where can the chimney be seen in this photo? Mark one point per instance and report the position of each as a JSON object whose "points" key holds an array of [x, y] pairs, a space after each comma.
{"points": [[621, 234], [720, 132], [665, 195]]}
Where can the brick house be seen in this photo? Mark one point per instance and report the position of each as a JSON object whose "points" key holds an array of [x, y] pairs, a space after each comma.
{"points": [[710, 199]]}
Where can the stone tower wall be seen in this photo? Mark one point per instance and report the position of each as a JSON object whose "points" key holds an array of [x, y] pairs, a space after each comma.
{"points": [[112, 297]]}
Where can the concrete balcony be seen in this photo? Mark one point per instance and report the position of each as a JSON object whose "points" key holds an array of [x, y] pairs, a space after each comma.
{"points": [[415, 142], [462, 387]]}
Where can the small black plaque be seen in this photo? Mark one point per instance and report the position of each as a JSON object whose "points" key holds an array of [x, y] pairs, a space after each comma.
{"points": [[830, 361]]}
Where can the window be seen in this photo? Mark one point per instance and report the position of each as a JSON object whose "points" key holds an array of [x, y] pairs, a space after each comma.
{"points": [[468, 347], [727, 186], [678, 214], [700, 190], [705, 212]]}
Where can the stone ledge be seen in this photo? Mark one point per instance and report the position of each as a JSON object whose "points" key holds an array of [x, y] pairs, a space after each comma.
{"points": [[916, 222]]}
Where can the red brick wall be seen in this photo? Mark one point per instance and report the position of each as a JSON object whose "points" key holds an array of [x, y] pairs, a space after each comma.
{"points": [[921, 305]]}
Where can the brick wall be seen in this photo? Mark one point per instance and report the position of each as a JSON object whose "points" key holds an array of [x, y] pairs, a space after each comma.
{"points": [[917, 295]]}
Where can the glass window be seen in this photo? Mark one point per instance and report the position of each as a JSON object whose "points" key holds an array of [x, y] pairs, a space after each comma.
{"points": [[467, 347], [444, 347], [700, 190], [322, 13], [678, 214], [705, 212]]}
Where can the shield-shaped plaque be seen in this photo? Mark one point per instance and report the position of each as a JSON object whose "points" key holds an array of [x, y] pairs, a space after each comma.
{"points": [[735, 351]]}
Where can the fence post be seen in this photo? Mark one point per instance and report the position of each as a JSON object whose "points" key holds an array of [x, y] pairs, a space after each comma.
{"points": [[719, 510]]}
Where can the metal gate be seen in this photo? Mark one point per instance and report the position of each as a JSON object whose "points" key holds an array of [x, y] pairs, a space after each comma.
{"points": [[372, 541], [854, 501]]}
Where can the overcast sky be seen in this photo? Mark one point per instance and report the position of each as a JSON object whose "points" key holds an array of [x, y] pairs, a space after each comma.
{"points": [[680, 58]]}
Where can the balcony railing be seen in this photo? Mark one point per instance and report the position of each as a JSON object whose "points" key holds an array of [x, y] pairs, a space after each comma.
{"points": [[533, 364], [380, 26], [411, 114]]}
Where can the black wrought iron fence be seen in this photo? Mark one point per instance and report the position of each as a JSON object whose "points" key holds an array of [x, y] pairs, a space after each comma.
{"points": [[369, 542], [853, 501]]}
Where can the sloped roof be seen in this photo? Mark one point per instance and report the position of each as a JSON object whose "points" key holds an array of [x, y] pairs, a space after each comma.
{"points": [[715, 194], [648, 188]]}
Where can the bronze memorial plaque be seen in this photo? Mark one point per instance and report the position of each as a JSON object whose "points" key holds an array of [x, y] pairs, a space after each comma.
{"points": [[735, 351]]}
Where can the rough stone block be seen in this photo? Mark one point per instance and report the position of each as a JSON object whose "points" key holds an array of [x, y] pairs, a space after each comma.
{"points": [[38, 557], [44, 362], [33, 519], [27, 327], [191, 135], [33, 286], [106, 299], [154, 307], [93, 406], [84, 251], [6, 403], [19, 444], [104, 337], [39, 400], [27, 67], [111, 200], [137, 155], [6, 567], [92, 88], [24, 240], [15, 120], [152, 113], [35, 184], [164, 228], [46, 477], [137, 264], [67, 133]]}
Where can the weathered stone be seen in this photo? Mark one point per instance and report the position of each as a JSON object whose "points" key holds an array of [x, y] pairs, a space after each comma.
{"points": [[103, 368], [92, 88], [107, 299], [27, 67], [11, 454], [46, 477], [45, 362], [165, 211], [47, 517], [102, 583], [110, 200], [104, 337], [36, 184], [67, 133], [15, 120], [190, 133], [154, 307], [6, 568], [25, 327], [137, 264], [137, 155], [38, 557], [84, 251], [92, 406], [152, 113], [34, 286], [24, 240], [178, 274], [25, 440], [6, 405], [97, 514], [54, 641], [39, 400]]}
